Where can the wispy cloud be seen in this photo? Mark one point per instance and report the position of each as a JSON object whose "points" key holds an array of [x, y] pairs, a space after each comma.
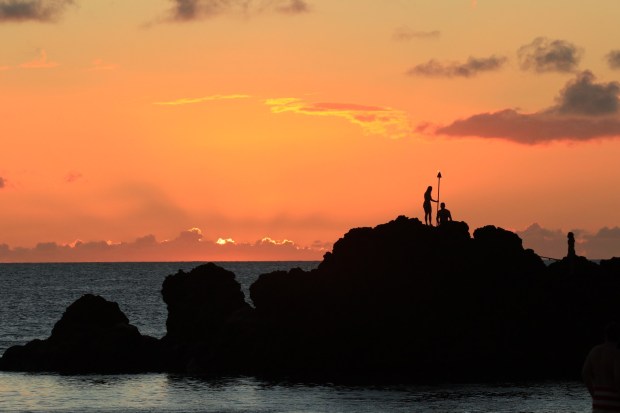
{"points": [[372, 119], [584, 110], [40, 62], [405, 34], [545, 55], [470, 68], [293, 7], [190, 10], [73, 176], [189, 101], [100, 64], [613, 59], [32, 10]]}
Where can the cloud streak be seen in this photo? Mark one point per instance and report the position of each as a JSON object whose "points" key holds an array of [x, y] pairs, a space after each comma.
{"points": [[472, 67], [73, 176], [404, 34], [584, 110], [372, 119], [32, 10], [100, 65], [191, 101], [543, 55], [39, 63], [191, 10]]}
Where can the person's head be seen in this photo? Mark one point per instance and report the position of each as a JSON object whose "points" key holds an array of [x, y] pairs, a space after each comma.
{"points": [[612, 332], [442, 205]]}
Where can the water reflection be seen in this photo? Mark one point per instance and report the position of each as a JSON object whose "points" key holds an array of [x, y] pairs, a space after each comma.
{"points": [[176, 393]]}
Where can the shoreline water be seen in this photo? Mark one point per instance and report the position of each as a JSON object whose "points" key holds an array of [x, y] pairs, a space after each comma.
{"points": [[169, 393]]}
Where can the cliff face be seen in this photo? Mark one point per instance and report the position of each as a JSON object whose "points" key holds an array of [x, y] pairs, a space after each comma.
{"points": [[401, 301]]}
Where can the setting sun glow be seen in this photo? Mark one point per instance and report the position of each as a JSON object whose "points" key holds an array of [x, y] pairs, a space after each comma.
{"points": [[282, 124]]}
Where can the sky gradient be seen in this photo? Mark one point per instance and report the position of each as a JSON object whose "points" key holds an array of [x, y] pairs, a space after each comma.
{"points": [[266, 129]]}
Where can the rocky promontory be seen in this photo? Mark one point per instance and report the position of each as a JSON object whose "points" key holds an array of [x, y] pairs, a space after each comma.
{"points": [[401, 301]]}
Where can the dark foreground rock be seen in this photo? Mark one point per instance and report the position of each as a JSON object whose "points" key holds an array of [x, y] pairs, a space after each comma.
{"points": [[406, 301], [93, 336], [398, 302], [209, 323]]}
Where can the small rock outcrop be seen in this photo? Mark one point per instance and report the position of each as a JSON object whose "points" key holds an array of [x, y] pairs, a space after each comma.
{"points": [[93, 336]]}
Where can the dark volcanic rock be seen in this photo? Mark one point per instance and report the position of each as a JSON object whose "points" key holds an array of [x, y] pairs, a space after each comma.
{"points": [[209, 322], [401, 301], [408, 301], [93, 335]]}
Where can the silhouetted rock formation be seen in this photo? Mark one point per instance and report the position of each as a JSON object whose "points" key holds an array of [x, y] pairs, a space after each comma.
{"points": [[401, 301], [93, 335], [208, 322]]}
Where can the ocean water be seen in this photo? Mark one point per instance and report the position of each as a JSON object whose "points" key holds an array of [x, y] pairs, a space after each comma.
{"points": [[34, 296]]}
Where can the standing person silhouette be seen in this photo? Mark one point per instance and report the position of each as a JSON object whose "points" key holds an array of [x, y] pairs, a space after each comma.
{"points": [[444, 214], [571, 255], [428, 209], [571, 244]]}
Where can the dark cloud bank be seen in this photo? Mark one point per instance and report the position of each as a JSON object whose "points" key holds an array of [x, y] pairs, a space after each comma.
{"points": [[32, 10], [613, 59], [470, 68], [584, 110], [604, 244], [540, 56], [545, 55], [188, 246], [191, 246]]}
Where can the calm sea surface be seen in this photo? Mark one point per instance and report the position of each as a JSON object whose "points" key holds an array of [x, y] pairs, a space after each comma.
{"points": [[34, 296]]}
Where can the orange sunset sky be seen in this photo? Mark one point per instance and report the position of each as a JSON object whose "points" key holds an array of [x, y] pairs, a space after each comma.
{"points": [[266, 129]]}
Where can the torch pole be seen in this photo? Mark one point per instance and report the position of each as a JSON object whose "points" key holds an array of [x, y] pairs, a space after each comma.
{"points": [[438, 184]]}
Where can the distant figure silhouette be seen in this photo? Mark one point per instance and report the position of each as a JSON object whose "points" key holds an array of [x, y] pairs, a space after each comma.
{"points": [[443, 215], [571, 245], [428, 209], [601, 372]]}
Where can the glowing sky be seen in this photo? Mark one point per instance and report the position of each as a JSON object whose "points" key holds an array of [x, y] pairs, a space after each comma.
{"points": [[151, 129]]}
